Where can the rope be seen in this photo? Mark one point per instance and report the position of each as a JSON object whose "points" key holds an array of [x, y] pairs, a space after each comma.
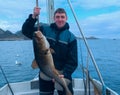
{"points": [[88, 49], [6, 80], [104, 90], [85, 84]]}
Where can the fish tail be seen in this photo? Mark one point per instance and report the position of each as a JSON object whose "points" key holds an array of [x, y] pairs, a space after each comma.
{"points": [[65, 88], [68, 92]]}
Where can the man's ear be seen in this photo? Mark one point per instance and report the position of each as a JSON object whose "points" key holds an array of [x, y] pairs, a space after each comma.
{"points": [[66, 18]]}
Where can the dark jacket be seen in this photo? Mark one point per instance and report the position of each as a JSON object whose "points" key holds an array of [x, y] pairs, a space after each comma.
{"points": [[62, 41]]}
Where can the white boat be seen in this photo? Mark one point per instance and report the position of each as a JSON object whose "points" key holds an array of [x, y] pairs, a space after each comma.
{"points": [[32, 88], [81, 86]]}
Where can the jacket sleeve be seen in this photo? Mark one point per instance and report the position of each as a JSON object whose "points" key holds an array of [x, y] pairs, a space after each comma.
{"points": [[72, 61], [28, 27]]}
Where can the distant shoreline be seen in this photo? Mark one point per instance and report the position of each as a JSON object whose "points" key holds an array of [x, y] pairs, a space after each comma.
{"points": [[14, 39], [21, 38]]}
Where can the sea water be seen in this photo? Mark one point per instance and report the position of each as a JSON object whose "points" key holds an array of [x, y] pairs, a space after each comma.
{"points": [[106, 53]]}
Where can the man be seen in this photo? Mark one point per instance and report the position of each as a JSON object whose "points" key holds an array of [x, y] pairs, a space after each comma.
{"points": [[62, 41]]}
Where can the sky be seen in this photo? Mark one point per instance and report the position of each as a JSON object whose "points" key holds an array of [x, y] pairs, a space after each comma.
{"points": [[99, 18]]}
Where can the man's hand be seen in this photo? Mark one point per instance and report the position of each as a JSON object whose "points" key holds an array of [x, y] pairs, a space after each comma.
{"points": [[36, 12], [61, 76]]}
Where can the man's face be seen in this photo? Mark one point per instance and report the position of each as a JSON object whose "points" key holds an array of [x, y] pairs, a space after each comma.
{"points": [[60, 19]]}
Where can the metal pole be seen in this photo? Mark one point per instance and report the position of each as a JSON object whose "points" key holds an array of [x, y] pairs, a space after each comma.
{"points": [[6, 80], [88, 49], [38, 24], [50, 9]]}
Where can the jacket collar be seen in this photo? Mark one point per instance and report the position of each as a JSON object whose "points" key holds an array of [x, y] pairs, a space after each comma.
{"points": [[54, 26]]}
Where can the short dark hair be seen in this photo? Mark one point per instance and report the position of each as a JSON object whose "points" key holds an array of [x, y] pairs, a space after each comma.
{"points": [[60, 10]]}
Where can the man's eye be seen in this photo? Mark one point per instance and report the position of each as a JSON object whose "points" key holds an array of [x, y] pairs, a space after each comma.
{"points": [[62, 17], [57, 17]]}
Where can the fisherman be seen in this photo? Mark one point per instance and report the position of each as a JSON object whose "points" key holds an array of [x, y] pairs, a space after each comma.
{"points": [[62, 41]]}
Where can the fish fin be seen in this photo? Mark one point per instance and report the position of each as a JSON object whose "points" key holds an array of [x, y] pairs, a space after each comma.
{"points": [[52, 50], [97, 89], [34, 64], [59, 87], [67, 81]]}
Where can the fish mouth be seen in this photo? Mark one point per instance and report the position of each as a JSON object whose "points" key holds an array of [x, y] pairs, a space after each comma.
{"points": [[38, 35]]}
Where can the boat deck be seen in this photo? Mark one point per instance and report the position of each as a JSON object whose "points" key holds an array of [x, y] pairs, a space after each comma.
{"points": [[32, 88]]}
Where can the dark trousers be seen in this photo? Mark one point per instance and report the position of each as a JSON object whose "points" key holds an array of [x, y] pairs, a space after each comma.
{"points": [[47, 87]]}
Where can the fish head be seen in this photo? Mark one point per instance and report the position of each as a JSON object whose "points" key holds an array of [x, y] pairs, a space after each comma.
{"points": [[41, 40], [38, 35]]}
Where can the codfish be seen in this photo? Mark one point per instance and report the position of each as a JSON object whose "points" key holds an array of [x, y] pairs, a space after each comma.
{"points": [[44, 60]]}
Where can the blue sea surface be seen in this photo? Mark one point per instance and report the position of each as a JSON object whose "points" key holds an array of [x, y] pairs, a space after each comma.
{"points": [[106, 53]]}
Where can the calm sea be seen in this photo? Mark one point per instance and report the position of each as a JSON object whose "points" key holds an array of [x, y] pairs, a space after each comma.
{"points": [[106, 53]]}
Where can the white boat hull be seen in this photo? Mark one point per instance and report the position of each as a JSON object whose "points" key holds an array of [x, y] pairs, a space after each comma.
{"points": [[31, 88]]}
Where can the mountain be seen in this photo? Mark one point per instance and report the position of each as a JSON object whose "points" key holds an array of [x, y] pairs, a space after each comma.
{"points": [[20, 35], [8, 35]]}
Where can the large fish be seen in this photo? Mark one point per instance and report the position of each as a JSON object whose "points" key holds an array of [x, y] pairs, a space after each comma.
{"points": [[44, 60]]}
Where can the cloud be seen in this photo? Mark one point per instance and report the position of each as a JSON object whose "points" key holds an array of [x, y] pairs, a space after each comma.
{"points": [[14, 27], [15, 12], [103, 25], [93, 4]]}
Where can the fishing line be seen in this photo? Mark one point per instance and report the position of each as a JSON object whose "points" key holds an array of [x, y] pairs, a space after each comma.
{"points": [[6, 80], [82, 66]]}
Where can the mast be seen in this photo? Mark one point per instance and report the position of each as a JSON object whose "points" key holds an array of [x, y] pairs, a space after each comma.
{"points": [[50, 9]]}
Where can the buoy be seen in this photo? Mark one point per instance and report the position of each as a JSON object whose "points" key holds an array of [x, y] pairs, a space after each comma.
{"points": [[17, 63]]}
